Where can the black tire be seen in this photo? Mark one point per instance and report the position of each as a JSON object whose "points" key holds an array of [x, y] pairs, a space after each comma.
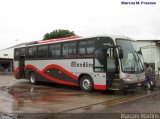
{"points": [[33, 78], [86, 84]]}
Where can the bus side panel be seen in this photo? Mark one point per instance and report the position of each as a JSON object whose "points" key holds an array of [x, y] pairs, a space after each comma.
{"points": [[99, 78], [51, 72], [68, 71], [65, 71], [39, 77], [100, 81]]}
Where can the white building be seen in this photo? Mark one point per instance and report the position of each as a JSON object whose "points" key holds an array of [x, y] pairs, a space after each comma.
{"points": [[6, 58], [151, 52]]}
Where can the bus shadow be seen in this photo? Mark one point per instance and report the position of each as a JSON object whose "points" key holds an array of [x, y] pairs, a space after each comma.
{"points": [[74, 88], [66, 88], [59, 86]]}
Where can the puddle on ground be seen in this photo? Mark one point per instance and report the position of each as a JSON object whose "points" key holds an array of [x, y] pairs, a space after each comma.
{"points": [[5, 88], [25, 94], [36, 94], [36, 100]]}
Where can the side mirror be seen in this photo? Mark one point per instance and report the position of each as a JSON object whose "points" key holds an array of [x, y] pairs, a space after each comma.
{"points": [[115, 52], [120, 53]]}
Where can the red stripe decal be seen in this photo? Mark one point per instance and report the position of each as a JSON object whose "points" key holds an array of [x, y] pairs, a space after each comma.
{"points": [[49, 77], [58, 39], [100, 87], [42, 73], [61, 69], [16, 71]]}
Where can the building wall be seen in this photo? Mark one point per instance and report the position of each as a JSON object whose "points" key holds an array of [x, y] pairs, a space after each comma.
{"points": [[151, 53], [6, 59], [6, 65], [7, 53]]}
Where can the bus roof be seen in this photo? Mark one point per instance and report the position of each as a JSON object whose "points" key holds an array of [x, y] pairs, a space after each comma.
{"points": [[71, 38], [77, 38]]}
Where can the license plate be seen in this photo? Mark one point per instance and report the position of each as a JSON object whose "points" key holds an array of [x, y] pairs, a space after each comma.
{"points": [[138, 84]]}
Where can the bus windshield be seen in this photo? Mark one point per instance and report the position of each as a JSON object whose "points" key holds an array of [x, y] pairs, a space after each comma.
{"points": [[132, 57]]}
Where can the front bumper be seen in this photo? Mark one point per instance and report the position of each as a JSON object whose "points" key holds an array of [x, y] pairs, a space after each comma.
{"points": [[134, 85]]}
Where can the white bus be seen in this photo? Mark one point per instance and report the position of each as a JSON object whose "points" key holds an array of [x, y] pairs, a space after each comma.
{"points": [[103, 62]]}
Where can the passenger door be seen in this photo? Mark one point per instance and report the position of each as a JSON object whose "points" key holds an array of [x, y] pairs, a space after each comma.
{"points": [[22, 67]]}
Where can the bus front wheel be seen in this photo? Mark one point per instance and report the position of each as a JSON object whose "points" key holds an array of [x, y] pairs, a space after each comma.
{"points": [[86, 84], [33, 78]]}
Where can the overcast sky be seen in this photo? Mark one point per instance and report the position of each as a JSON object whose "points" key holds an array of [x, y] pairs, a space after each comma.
{"points": [[29, 20]]}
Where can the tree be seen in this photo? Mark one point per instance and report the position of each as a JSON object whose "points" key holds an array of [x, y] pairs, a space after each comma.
{"points": [[60, 33]]}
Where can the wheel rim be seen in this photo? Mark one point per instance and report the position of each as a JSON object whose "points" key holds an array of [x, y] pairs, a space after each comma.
{"points": [[33, 79], [86, 84]]}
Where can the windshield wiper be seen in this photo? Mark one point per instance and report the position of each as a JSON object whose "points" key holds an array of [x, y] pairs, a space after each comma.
{"points": [[137, 59], [138, 67], [140, 60]]}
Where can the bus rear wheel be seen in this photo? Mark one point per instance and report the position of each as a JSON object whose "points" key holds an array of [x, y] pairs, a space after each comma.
{"points": [[86, 84], [32, 78]]}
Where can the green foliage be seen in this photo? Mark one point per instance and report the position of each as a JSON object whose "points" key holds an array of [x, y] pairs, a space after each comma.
{"points": [[58, 34]]}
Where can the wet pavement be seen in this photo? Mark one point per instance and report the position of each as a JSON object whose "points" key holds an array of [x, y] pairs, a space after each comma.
{"points": [[19, 96]]}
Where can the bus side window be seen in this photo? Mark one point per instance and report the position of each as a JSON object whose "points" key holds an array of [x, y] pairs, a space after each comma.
{"points": [[82, 48], [90, 47], [86, 48], [65, 49], [42, 51], [55, 51], [51, 51], [17, 54], [32, 52], [23, 51], [69, 50], [111, 66], [72, 49], [99, 61]]}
